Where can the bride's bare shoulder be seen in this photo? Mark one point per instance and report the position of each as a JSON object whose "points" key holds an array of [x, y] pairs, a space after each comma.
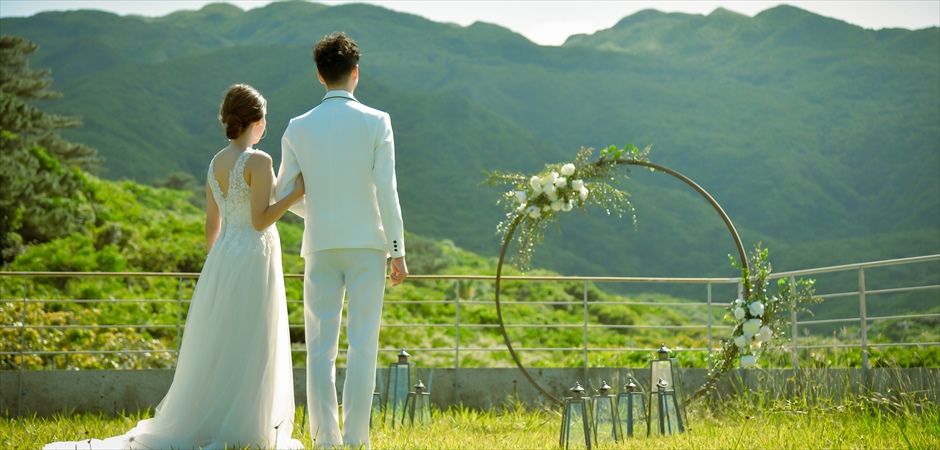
{"points": [[216, 156], [226, 156], [258, 162], [259, 158]]}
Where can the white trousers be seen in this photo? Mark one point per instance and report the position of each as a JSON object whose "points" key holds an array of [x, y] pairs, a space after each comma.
{"points": [[329, 275]]}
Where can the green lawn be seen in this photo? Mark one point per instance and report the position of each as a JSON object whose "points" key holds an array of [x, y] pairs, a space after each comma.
{"points": [[732, 424]]}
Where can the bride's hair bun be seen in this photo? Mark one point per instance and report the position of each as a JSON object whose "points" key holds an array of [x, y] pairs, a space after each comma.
{"points": [[242, 106], [233, 126]]}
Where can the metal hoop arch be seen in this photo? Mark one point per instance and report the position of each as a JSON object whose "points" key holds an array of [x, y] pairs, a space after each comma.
{"points": [[623, 162]]}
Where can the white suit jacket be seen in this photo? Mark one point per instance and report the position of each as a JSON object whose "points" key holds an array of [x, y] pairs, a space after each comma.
{"points": [[346, 153]]}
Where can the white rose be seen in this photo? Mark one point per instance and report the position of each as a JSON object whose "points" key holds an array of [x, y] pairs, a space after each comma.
{"points": [[751, 327], [561, 182], [536, 184], [748, 361], [550, 179], [551, 191], [740, 341], [577, 185], [568, 206], [757, 308], [521, 197], [738, 302], [755, 343], [557, 205], [765, 333], [739, 313], [534, 212], [547, 208], [567, 169], [583, 192]]}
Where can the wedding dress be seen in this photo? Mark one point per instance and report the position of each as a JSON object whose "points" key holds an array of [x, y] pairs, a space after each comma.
{"points": [[233, 384]]}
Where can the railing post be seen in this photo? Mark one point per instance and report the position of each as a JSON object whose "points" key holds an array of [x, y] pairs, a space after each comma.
{"points": [[585, 332], [863, 323], [457, 346], [19, 401], [179, 320], [793, 334], [709, 325]]}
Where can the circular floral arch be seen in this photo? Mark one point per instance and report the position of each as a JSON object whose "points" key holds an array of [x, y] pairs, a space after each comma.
{"points": [[606, 164]]}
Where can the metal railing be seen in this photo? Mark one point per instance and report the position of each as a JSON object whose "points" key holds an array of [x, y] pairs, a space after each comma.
{"points": [[456, 302], [709, 325], [862, 294]]}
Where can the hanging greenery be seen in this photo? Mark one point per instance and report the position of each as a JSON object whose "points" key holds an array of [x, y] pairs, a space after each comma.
{"points": [[538, 200], [760, 319]]}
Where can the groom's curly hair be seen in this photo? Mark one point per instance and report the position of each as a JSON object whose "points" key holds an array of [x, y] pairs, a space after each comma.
{"points": [[336, 56]]}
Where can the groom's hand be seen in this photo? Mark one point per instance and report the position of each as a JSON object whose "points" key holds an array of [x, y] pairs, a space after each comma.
{"points": [[399, 270]]}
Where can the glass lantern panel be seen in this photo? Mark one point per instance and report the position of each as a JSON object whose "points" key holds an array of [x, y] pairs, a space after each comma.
{"points": [[576, 434], [631, 413], [407, 417], [677, 387], [376, 408], [639, 412], [672, 419], [423, 413], [654, 426], [417, 410], [661, 368], [605, 421], [399, 384]]}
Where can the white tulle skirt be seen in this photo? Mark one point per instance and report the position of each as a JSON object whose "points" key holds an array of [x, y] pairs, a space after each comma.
{"points": [[233, 385]]}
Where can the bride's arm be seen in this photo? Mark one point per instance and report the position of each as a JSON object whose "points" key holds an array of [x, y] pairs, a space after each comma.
{"points": [[259, 174], [213, 218]]}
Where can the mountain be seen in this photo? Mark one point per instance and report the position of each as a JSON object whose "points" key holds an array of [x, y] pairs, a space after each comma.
{"points": [[814, 135], [862, 107]]}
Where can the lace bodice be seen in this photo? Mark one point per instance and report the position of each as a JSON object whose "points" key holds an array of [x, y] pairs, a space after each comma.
{"points": [[235, 208]]}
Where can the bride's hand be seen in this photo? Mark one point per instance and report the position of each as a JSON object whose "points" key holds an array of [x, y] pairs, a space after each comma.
{"points": [[299, 186]]}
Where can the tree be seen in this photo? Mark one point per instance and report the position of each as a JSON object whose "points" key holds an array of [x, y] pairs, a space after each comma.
{"points": [[184, 181], [45, 193]]}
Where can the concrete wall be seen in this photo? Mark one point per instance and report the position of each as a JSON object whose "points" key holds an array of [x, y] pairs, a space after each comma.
{"points": [[113, 391]]}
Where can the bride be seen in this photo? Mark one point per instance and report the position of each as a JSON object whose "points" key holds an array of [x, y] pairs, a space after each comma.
{"points": [[233, 384]]}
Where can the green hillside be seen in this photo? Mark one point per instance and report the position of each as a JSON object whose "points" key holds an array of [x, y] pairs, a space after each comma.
{"points": [[139, 228], [813, 134]]}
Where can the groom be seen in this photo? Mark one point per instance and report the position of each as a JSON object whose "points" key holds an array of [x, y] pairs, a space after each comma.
{"points": [[346, 153]]}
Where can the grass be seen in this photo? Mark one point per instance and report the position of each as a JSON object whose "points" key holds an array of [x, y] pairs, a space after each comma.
{"points": [[735, 423]]}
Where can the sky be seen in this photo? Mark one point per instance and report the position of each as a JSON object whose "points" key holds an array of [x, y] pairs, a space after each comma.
{"points": [[543, 22]]}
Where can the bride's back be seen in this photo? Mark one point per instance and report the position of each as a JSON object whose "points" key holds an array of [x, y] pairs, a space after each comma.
{"points": [[222, 167], [231, 191]]}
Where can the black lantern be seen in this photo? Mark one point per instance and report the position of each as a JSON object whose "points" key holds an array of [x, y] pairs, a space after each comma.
{"points": [[606, 424], [418, 406], [400, 377], [668, 369], [664, 411], [576, 420], [631, 409]]}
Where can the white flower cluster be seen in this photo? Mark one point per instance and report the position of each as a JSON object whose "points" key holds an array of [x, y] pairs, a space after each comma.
{"points": [[749, 331], [551, 192]]}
